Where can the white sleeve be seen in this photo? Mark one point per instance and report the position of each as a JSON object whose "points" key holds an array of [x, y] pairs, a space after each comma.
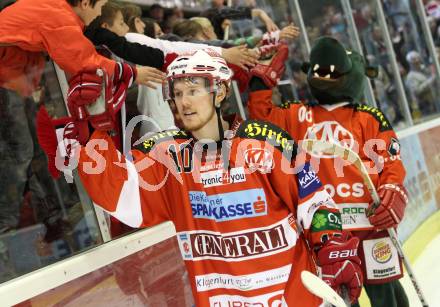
{"points": [[168, 46]]}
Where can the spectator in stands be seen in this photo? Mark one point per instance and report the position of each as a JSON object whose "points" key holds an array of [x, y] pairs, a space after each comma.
{"points": [[398, 11], [189, 30], [219, 18], [218, 4], [420, 83], [208, 32], [435, 29], [60, 33], [432, 8], [152, 28], [133, 18], [238, 56], [157, 13], [109, 30], [170, 19]]}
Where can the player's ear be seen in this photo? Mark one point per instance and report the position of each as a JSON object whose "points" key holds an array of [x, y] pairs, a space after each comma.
{"points": [[220, 95], [371, 72], [105, 25], [305, 66]]}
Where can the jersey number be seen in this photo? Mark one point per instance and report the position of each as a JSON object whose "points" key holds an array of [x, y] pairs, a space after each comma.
{"points": [[186, 157]]}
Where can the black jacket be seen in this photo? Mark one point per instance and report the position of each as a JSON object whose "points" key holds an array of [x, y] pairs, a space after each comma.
{"points": [[132, 52]]}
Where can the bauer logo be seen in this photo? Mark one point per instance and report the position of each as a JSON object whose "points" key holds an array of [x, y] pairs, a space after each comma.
{"points": [[218, 177], [228, 206], [308, 181]]}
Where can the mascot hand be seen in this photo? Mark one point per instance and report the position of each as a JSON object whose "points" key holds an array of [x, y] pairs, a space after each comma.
{"points": [[389, 213], [271, 72]]}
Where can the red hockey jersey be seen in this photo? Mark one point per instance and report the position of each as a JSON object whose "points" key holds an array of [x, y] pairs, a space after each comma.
{"points": [[361, 128], [236, 224], [365, 130]]}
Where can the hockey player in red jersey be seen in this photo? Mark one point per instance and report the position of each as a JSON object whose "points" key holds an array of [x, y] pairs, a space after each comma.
{"points": [[245, 227], [336, 78]]}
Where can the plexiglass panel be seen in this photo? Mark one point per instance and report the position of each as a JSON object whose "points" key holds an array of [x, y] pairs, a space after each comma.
{"points": [[414, 58], [155, 276], [42, 219], [372, 38]]}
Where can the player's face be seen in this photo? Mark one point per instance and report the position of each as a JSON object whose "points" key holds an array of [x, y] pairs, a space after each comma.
{"points": [[91, 12], [194, 103], [119, 26]]}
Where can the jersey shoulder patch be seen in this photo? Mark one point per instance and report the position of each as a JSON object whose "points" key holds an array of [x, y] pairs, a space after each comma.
{"points": [[147, 145], [288, 104], [384, 123], [268, 132]]}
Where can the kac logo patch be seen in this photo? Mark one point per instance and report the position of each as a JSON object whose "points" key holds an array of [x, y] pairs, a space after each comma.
{"points": [[228, 206], [259, 159], [308, 181]]}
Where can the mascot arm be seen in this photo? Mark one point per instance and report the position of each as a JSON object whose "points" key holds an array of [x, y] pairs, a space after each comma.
{"points": [[386, 147], [392, 193], [261, 107]]}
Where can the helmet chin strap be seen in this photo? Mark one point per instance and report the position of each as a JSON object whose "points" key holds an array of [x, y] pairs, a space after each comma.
{"points": [[225, 150], [219, 118]]}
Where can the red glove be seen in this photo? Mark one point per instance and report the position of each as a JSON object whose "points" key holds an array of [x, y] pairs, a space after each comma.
{"points": [[47, 136], [84, 89], [94, 98], [389, 213], [341, 266], [124, 77], [271, 73]]}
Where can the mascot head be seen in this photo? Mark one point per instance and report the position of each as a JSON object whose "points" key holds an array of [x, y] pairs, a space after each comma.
{"points": [[335, 74]]}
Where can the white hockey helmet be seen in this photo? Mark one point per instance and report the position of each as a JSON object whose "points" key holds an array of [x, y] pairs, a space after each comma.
{"points": [[207, 64]]}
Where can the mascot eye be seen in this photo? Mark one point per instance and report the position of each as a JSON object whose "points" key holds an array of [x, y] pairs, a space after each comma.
{"points": [[348, 52]]}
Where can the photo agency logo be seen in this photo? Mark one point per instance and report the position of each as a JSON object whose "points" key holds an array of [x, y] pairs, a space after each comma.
{"points": [[255, 152]]}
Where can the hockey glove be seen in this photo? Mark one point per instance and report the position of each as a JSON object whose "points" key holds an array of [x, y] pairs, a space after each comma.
{"points": [[272, 72], [84, 89], [340, 265], [389, 213], [124, 77], [94, 98], [47, 138]]}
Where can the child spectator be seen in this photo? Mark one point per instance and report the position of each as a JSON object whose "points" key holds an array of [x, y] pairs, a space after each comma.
{"points": [[152, 28], [132, 16], [55, 27], [109, 29]]}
